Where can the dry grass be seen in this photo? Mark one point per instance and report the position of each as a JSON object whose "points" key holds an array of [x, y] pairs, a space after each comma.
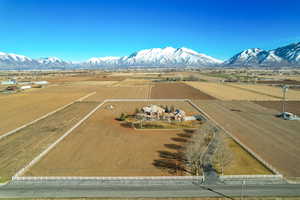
{"points": [[243, 162], [225, 92], [274, 92]]}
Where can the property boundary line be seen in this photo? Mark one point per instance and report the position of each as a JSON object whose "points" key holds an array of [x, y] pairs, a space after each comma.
{"points": [[41, 155], [44, 116], [17, 176], [251, 176], [108, 178]]}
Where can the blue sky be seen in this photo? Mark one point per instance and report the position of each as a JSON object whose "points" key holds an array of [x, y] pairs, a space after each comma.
{"points": [[77, 30]]}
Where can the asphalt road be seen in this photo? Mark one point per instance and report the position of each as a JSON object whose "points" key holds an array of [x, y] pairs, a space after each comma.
{"points": [[39, 190]]}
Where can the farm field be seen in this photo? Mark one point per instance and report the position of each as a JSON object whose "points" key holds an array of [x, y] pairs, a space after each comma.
{"points": [[21, 108], [101, 146], [225, 92], [243, 162], [290, 106], [270, 91], [120, 92], [20, 148], [73, 79], [177, 91], [258, 128]]}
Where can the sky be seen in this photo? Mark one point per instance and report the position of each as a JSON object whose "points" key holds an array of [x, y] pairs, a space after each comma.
{"points": [[78, 30]]}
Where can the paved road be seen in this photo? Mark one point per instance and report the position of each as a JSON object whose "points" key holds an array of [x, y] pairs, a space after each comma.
{"points": [[78, 189]]}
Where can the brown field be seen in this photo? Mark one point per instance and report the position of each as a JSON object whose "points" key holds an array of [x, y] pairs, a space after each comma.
{"points": [[226, 92], [277, 141], [72, 79], [120, 92], [19, 149], [273, 92], [290, 106], [177, 91], [129, 82], [285, 82], [21, 108], [103, 147]]}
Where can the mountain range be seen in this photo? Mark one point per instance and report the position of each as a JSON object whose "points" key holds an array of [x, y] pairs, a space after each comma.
{"points": [[283, 56], [287, 56]]}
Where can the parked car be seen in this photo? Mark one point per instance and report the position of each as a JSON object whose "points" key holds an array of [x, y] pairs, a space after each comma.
{"points": [[288, 116]]}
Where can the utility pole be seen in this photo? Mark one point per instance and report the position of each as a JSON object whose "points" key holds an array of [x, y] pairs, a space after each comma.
{"points": [[284, 90]]}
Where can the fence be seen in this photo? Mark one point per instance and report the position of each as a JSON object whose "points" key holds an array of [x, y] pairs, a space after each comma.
{"points": [[250, 176], [36, 159], [107, 178]]}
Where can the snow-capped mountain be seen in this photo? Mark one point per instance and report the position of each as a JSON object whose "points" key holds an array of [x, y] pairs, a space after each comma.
{"points": [[159, 57], [283, 56], [51, 60], [14, 61], [287, 56], [290, 53], [104, 61]]}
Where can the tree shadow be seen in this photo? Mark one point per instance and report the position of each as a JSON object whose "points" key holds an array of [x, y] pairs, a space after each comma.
{"points": [[172, 155], [170, 165], [126, 125], [172, 160], [184, 135], [187, 133], [179, 139], [174, 146]]}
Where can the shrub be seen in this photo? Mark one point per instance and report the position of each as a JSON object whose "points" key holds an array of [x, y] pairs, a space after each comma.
{"points": [[122, 117]]}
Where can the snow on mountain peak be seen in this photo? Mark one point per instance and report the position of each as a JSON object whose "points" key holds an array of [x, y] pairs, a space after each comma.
{"points": [[282, 56]]}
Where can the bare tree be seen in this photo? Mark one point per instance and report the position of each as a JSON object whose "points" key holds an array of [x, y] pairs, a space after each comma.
{"points": [[222, 156], [197, 147]]}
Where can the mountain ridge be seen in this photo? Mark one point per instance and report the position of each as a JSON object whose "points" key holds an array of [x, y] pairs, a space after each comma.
{"points": [[285, 56], [288, 55]]}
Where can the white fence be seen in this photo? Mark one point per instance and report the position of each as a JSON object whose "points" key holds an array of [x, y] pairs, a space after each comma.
{"points": [[136, 100], [36, 159], [44, 116], [107, 178], [250, 176]]}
